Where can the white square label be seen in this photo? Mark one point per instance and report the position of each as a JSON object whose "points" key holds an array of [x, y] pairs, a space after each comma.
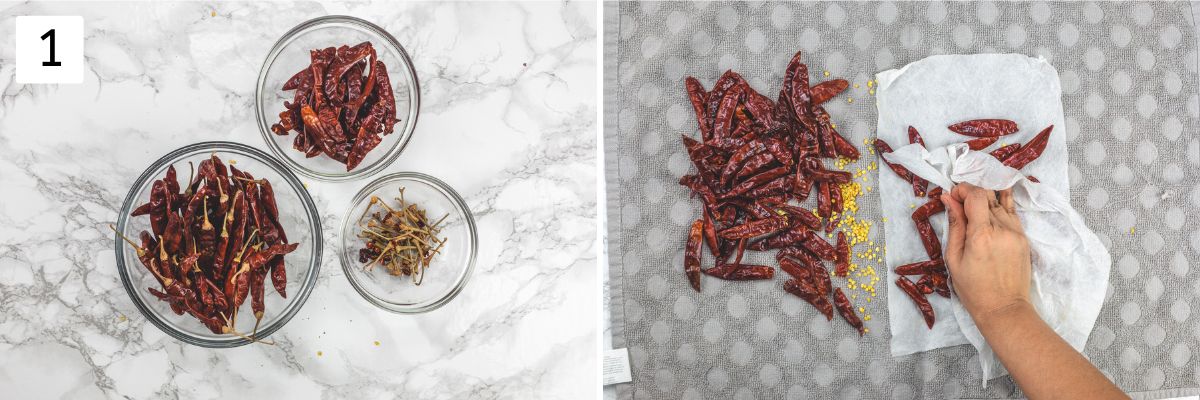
{"points": [[49, 49]]}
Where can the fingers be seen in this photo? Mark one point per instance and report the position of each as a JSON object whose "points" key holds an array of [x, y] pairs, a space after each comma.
{"points": [[957, 232], [976, 206], [1006, 201], [1006, 214]]}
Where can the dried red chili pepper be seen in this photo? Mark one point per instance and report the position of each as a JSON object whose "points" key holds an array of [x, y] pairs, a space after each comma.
{"points": [[811, 295], [921, 268], [919, 184], [882, 148], [814, 243], [336, 109], [914, 137], [824, 91], [933, 247], [793, 268], [981, 143], [842, 147], [723, 122], [754, 182], [691, 258], [1004, 152], [925, 284], [798, 215], [932, 207], [696, 95], [824, 200], [1031, 150], [822, 175], [843, 256], [787, 238], [984, 127], [847, 311], [741, 272], [204, 235], [777, 187], [755, 228], [835, 199], [918, 298], [940, 283]]}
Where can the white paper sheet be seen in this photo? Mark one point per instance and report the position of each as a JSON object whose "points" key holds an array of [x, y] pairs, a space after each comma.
{"points": [[1070, 265]]}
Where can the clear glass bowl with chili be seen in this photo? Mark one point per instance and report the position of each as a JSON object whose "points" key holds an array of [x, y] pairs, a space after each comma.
{"points": [[297, 215], [449, 268], [291, 54]]}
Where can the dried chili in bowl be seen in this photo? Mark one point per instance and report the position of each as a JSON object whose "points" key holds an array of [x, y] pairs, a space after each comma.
{"points": [[213, 243], [342, 105]]}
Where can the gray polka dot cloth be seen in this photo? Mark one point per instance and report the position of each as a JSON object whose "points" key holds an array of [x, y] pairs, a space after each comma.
{"points": [[1128, 73]]}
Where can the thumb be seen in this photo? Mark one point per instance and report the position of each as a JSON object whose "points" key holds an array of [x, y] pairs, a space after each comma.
{"points": [[957, 231]]}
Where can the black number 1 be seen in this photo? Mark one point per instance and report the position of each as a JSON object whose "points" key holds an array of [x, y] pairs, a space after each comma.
{"points": [[52, 62]]}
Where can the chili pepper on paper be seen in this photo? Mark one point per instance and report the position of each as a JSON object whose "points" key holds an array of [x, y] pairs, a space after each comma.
{"points": [[1031, 150], [932, 207], [1004, 152], [921, 268], [933, 247], [918, 298], [981, 143], [914, 137], [984, 127]]}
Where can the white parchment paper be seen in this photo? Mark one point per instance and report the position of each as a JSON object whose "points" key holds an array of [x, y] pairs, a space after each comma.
{"points": [[1070, 265]]}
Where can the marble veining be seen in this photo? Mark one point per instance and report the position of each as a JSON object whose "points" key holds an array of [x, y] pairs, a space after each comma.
{"points": [[508, 119]]}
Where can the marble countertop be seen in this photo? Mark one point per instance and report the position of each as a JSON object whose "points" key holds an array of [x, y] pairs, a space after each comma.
{"points": [[511, 88]]}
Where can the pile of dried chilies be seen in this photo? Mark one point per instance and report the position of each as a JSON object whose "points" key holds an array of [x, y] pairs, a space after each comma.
{"points": [[213, 244], [933, 275], [401, 239], [756, 160], [343, 103]]}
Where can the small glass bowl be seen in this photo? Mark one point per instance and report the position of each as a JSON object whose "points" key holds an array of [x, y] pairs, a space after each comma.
{"points": [[297, 214], [449, 270], [291, 54]]}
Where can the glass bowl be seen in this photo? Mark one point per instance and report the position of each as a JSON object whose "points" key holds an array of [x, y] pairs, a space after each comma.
{"points": [[291, 54], [297, 214], [448, 271]]}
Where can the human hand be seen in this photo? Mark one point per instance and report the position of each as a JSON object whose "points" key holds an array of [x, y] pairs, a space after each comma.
{"points": [[987, 254]]}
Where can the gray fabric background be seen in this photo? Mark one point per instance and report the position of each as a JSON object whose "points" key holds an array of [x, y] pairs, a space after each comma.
{"points": [[1128, 72]]}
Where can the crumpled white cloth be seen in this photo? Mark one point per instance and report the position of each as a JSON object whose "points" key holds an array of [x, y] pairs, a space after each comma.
{"points": [[1070, 264]]}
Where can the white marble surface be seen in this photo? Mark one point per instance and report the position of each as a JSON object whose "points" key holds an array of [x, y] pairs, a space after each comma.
{"points": [[508, 119]]}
